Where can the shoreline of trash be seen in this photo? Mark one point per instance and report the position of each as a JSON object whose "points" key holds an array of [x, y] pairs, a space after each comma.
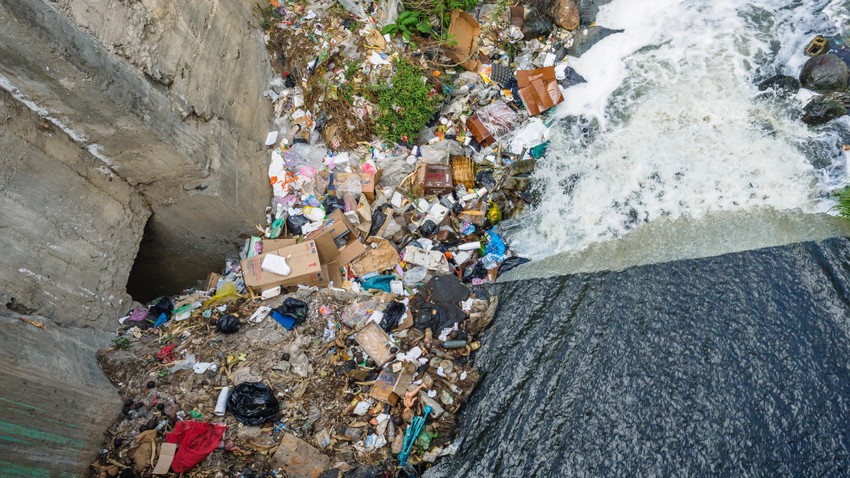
{"points": [[342, 341]]}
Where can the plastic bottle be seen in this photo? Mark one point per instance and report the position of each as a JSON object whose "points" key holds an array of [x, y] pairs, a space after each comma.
{"points": [[313, 213], [221, 403]]}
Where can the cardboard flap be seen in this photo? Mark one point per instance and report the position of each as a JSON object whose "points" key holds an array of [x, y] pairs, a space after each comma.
{"points": [[539, 89], [464, 30]]}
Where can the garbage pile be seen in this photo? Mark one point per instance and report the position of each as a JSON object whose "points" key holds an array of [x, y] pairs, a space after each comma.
{"points": [[342, 340]]}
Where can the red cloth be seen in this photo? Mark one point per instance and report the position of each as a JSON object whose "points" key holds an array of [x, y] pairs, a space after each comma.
{"points": [[196, 441]]}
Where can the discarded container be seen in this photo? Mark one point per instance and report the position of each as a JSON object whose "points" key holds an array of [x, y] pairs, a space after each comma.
{"points": [[462, 171], [252, 403], [432, 179], [221, 403]]}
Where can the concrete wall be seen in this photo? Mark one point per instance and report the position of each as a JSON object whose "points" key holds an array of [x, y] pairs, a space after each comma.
{"points": [[54, 404], [169, 94], [113, 113], [69, 226]]}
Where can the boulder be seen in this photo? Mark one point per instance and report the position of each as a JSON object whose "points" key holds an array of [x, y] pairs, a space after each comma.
{"points": [[824, 74], [586, 37], [822, 109], [565, 14], [782, 85], [587, 10]]}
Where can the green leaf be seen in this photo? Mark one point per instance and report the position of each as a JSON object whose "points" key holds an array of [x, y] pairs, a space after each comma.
{"points": [[405, 15], [410, 20], [406, 35], [424, 28], [389, 28]]}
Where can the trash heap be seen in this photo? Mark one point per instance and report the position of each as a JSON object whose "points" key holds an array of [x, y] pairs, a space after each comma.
{"points": [[342, 339]]}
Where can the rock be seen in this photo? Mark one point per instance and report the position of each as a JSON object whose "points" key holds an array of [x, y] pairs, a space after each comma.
{"points": [[587, 10], [782, 85], [586, 37], [824, 74], [565, 13], [822, 109], [571, 77]]}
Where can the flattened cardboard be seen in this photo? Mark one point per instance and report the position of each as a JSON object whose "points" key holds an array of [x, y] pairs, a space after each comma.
{"points": [[383, 387], [375, 342], [299, 459], [474, 124], [336, 226], [212, 281], [518, 16], [404, 378], [539, 89], [465, 31], [166, 456], [376, 259], [302, 258]]}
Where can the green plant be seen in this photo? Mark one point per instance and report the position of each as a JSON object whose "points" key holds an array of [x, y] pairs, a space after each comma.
{"points": [[122, 343], [268, 15], [405, 108], [407, 23], [843, 202]]}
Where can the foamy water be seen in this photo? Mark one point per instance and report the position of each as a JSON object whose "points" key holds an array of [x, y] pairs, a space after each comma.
{"points": [[677, 124]]}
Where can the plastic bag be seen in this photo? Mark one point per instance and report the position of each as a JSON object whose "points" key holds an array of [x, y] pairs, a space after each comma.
{"points": [[475, 271], [291, 313], [498, 118], [333, 203], [252, 403], [378, 282], [295, 223], [378, 220], [428, 228], [510, 263], [228, 324], [392, 313], [164, 306], [496, 246], [353, 7], [196, 441]]}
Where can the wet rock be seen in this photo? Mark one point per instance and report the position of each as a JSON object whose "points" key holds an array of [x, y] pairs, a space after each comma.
{"points": [[565, 13], [571, 78], [782, 85], [536, 25], [586, 37], [822, 109], [587, 10], [824, 74]]}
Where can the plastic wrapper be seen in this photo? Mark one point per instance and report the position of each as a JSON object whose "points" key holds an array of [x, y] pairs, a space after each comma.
{"points": [[291, 313], [252, 403], [498, 118], [295, 223], [392, 314]]}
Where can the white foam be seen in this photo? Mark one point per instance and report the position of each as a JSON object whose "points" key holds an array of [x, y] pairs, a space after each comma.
{"points": [[681, 132]]}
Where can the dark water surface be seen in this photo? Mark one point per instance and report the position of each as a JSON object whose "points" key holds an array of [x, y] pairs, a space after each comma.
{"points": [[734, 365]]}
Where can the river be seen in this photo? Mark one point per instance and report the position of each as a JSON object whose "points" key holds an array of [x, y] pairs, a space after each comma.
{"points": [[687, 310]]}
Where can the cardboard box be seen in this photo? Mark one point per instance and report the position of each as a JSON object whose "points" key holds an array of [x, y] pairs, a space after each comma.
{"points": [[518, 16], [383, 387], [492, 122], [474, 124], [367, 182], [302, 258], [539, 89], [336, 227], [270, 245], [465, 31], [432, 179]]}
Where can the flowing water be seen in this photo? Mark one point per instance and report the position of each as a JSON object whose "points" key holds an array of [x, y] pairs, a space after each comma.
{"points": [[657, 332]]}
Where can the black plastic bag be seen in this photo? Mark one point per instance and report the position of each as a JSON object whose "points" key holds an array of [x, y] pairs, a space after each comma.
{"points": [[228, 324], [485, 179], [164, 306], [252, 403], [295, 223], [428, 228], [333, 203], [437, 316], [378, 220], [475, 271], [297, 309], [392, 313], [510, 263]]}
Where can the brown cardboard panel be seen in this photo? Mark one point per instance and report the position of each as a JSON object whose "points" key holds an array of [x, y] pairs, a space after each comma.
{"points": [[166, 456], [375, 342], [432, 179], [518, 16], [336, 226], [302, 258], [367, 181], [538, 89], [465, 31], [270, 245], [404, 378], [299, 459], [383, 387], [376, 259]]}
